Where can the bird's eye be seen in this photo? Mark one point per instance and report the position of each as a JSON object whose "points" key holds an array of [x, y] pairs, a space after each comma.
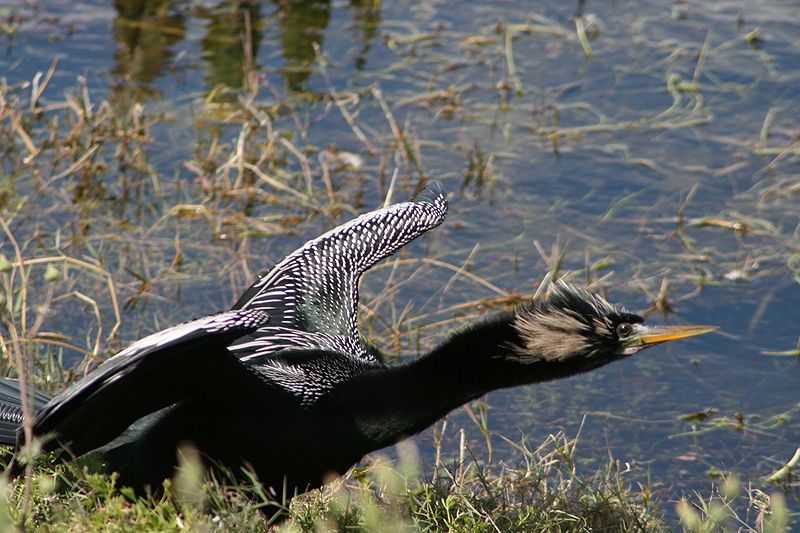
{"points": [[623, 330]]}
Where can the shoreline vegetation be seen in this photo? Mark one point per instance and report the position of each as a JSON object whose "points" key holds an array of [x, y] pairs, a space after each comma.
{"points": [[543, 493], [108, 219]]}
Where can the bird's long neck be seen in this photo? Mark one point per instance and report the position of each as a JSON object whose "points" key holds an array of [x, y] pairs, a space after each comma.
{"points": [[392, 403]]}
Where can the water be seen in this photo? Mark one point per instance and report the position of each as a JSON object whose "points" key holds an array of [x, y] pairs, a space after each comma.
{"points": [[682, 112]]}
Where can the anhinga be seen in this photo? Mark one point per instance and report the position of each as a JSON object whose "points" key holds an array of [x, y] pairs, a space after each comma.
{"points": [[284, 385]]}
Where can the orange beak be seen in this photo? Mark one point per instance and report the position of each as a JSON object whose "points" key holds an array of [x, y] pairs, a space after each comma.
{"points": [[649, 335]]}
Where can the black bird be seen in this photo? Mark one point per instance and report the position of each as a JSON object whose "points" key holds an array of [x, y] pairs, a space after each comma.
{"points": [[284, 385]]}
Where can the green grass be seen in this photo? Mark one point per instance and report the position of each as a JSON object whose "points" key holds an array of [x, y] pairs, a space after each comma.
{"points": [[543, 493]]}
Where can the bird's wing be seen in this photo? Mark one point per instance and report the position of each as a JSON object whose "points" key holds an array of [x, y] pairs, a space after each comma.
{"points": [[312, 295], [307, 375], [153, 373]]}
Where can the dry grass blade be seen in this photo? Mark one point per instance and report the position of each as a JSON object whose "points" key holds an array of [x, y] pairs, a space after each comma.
{"points": [[21, 363]]}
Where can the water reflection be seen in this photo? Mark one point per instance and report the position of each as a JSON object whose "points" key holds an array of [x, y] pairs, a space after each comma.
{"points": [[231, 42], [302, 23], [366, 19], [149, 33], [145, 32]]}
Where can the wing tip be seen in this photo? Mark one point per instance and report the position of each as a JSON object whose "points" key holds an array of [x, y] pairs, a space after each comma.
{"points": [[433, 193]]}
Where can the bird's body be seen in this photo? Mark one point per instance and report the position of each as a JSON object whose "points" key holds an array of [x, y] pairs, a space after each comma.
{"points": [[252, 424], [284, 385]]}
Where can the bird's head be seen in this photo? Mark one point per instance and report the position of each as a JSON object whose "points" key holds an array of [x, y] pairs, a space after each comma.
{"points": [[572, 324]]}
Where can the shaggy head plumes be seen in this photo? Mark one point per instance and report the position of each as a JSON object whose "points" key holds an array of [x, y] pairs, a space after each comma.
{"points": [[572, 322]]}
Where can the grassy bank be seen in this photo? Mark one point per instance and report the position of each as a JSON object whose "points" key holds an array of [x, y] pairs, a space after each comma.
{"points": [[543, 492]]}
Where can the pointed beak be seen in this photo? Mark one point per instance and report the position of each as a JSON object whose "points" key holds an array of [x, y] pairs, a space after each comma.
{"points": [[646, 336]]}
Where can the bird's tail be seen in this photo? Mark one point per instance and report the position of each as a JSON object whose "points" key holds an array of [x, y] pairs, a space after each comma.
{"points": [[11, 409]]}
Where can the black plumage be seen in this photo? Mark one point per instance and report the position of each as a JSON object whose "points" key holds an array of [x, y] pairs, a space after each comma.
{"points": [[283, 383]]}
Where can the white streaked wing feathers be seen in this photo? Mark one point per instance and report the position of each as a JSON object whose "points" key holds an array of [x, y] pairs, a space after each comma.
{"points": [[312, 295]]}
